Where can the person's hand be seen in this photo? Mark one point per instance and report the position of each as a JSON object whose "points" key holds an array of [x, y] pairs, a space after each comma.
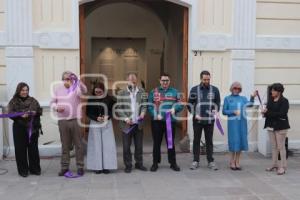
{"points": [[237, 112], [60, 109], [264, 110], [32, 112], [172, 111], [214, 112], [254, 93], [159, 117], [25, 115], [198, 117], [142, 115], [105, 118], [128, 121]]}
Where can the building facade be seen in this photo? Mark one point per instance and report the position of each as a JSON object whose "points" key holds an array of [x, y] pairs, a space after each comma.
{"points": [[256, 42]]}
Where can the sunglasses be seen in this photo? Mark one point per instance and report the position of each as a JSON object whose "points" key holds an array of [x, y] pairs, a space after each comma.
{"points": [[237, 88]]}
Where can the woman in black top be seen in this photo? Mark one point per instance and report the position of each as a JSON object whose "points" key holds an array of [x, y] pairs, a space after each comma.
{"points": [[277, 124], [26, 148], [101, 150]]}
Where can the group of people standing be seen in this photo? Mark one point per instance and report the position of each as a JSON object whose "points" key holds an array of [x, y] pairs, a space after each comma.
{"points": [[130, 107]]}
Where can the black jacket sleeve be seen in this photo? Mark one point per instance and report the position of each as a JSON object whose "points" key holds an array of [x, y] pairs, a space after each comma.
{"points": [[217, 99], [192, 100], [284, 108]]}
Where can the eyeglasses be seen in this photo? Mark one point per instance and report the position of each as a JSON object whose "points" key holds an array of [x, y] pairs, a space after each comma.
{"points": [[66, 79], [165, 80], [236, 88]]}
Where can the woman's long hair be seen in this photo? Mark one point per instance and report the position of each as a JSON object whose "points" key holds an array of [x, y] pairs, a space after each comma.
{"points": [[19, 88]]}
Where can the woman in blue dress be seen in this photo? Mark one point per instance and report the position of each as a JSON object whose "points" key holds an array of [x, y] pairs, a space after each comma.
{"points": [[235, 108]]}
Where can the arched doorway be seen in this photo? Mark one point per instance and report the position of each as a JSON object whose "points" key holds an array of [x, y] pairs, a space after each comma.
{"points": [[146, 37]]}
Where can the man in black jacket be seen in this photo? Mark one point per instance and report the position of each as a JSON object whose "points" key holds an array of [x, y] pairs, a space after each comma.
{"points": [[204, 102]]}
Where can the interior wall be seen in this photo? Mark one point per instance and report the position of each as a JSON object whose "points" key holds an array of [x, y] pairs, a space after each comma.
{"points": [[125, 20], [116, 57]]}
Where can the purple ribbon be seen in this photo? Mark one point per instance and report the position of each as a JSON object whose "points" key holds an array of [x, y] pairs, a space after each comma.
{"points": [[69, 174], [12, 115], [19, 114], [169, 130], [219, 125], [128, 130]]}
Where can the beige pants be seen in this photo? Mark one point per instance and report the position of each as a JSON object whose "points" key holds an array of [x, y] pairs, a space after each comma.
{"points": [[278, 146], [70, 133]]}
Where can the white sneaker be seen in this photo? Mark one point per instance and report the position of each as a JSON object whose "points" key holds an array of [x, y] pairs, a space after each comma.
{"points": [[194, 165], [212, 166]]}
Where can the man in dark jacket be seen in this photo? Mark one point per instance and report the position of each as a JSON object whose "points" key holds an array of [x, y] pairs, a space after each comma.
{"points": [[204, 102]]}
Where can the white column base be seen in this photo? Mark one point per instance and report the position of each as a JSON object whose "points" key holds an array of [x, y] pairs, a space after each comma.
{"points": [[263, 140]]}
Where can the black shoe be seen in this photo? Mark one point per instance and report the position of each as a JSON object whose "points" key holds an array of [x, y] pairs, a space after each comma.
{"points": [[98, 172], [62, 172], [233, 168], [80, 171], [141, 167], [37, 173], [238, 169], [24, 175], [154, 167], [175, 167], [127, 170], [106, 171]]}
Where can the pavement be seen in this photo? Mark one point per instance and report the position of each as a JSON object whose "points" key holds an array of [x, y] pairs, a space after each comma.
{"points": [[252, 183]]}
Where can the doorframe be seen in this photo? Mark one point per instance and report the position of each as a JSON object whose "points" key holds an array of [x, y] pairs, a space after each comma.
{"points": [[185, 58], [185, 50]]}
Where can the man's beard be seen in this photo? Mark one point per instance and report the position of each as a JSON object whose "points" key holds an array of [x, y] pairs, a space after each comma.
{"points": [[67, 85]]}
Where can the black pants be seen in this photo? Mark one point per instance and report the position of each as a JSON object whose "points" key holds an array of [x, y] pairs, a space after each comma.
{"points": [[137, 136], [27, 154], [208, 132], [158, 132]]}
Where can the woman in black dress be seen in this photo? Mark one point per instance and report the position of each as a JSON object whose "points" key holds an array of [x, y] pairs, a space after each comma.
{"points": [[26, 148]]}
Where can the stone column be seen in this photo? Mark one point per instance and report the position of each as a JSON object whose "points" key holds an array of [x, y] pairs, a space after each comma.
{"points": [[19, 48], [243, 44], [243, 58]]}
